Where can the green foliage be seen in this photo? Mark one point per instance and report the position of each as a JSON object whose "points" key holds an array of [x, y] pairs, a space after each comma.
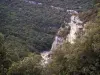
{"points": [[16, 49], [81, 58], [32, 23], [32, 27], [28, 66], [2, 52], [4, 61], [96, 1]]}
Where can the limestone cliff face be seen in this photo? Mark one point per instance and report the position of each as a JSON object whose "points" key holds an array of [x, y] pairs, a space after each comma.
{"points": [[69, 32], [66, 33]]}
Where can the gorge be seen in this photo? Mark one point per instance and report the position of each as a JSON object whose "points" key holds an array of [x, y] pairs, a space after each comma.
{"points": [[71, 29], [49, 37]]}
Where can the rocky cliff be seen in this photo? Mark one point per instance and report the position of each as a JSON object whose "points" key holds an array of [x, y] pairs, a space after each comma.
{"points": [[69, 32]]}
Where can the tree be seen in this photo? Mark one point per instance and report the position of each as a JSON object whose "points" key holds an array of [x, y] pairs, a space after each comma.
{"points": [[81, 58], [4, 62], [28, 66]]}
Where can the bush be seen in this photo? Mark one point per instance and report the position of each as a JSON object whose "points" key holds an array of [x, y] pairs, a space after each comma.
{"points": [[81, 58], [4, 61], [28, 66]]}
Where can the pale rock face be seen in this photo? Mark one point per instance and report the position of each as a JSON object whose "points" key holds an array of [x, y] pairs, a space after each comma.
{"points": [[45, 58], [57, 42], [33, 2], [72, 11], [75, 25], [45, 55], [39, 3], [58, 8]]}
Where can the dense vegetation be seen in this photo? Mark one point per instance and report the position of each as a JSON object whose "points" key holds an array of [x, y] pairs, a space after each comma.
{"points": [[22, 25], [83, 57], [28, 28], [4, 60], [34, 25]]}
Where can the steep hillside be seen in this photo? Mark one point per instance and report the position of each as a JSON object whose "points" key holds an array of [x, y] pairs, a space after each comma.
{"points": [[69, 4], [83, 56], [29, 28], [35, 25]]}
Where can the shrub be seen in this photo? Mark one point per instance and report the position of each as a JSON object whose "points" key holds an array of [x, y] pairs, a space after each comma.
{"points": [[28, 66]]}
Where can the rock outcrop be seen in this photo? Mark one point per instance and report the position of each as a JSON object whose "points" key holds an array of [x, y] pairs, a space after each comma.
{"points": [[66, 33], [69, 32]]}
